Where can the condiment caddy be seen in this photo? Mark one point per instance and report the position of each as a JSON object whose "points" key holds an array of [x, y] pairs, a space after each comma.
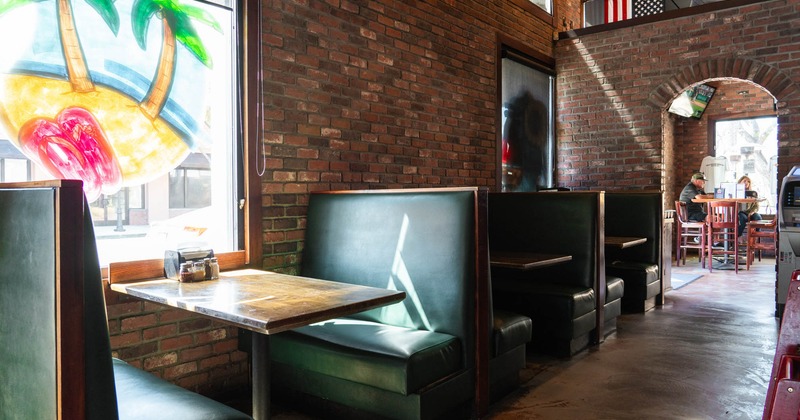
{"points": [[194, 271]]}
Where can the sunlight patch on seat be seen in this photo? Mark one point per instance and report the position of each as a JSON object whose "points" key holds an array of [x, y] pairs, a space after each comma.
{"points": [[400, 277]]}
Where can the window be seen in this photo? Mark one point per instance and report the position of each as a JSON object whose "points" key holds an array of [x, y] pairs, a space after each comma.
{"points": [[527, 157], [750, 147], [546, 5], [189, 188], [131, 116]]}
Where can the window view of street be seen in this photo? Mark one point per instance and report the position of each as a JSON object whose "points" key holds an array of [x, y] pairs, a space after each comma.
{"points": [[750, 147]]}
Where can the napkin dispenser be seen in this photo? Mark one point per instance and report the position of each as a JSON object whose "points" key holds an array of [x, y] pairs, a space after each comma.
{"points": [[174, 258]]}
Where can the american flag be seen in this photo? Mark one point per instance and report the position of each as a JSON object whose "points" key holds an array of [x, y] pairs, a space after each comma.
{"points": [[617, 10]]}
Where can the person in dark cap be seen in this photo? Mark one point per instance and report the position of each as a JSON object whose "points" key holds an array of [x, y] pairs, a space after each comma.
{"points": [[695, 189]]}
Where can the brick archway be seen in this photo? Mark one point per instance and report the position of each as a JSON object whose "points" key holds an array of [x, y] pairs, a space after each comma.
{"points": [[774, 81]]}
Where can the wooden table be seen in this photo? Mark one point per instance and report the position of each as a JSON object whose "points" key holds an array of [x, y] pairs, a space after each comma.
{"points": [[735, 200], [265, 303], [525, 260], [624, 241]]}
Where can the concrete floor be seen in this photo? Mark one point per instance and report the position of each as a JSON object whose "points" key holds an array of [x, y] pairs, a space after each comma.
{"points": [[706, 354]]}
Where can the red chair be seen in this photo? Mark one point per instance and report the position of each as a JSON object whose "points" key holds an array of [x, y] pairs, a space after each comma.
{"points": [[687, 231], [757, 231], [723, 222]]}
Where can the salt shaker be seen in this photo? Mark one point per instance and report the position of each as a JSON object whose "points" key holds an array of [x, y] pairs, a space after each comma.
{"points": [[214, 268]]}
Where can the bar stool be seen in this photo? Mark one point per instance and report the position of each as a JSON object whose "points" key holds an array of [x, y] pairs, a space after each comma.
{"points": [[723, 222], [687, 231]]}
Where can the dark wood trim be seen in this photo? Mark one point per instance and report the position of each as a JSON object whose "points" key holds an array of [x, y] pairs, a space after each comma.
{"points": [[71, 363], [126, 271], [672, 14], [251, 33], [483, 308], [396, 190], [524, 54], [514, 49], [600, 269], [500, 41]]}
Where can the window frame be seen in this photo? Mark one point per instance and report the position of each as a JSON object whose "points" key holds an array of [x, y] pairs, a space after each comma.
{"points": [[508, 47], [249, 190]]}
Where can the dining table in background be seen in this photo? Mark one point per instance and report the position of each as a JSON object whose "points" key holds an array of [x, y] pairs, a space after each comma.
{"points": [[525, 260], [265, 303], [725, 264], [623, 242], [735, 200]]}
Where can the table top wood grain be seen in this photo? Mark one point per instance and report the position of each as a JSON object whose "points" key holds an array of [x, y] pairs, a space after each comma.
{"points": [[525, 260], [735, 200], [624, 241], [263, 301]]}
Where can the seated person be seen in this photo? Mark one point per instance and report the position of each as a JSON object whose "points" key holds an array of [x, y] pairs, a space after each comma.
{"points": [[751, 212], [694, 189]]}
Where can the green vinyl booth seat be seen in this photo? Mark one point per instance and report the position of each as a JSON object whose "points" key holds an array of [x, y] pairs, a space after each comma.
{"points": [[46, 234], [561, 300], [636, 214], [420, 358]]}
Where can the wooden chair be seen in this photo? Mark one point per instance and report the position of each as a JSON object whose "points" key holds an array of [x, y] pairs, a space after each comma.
{"points": [[723, 222], [756, 231], [687, 231]]}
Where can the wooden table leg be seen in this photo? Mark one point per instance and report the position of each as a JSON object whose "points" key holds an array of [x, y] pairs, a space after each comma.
{"points": [[261, 370]]}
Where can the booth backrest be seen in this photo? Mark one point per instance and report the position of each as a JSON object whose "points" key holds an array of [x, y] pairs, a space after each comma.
{"points": [[47, 370], [638, 214], [418, 241], [552, 223]]}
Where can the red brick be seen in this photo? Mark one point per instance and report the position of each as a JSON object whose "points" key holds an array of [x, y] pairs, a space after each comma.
{"points": [[178, 342], [180, 370], [138, 322], [161, 360], [196, 353]]}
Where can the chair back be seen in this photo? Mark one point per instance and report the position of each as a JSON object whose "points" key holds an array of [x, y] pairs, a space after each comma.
{"points": [[723, 224], [50, 298], [421, 241], [761, 236], [687, 232], [723, 215], [680, 212], [637, 214]]}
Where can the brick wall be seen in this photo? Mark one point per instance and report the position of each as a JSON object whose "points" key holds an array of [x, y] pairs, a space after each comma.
{"points": [[614, 87], [357, 95], [729, 101], [386, 94], [192, 352], [378, 94]]}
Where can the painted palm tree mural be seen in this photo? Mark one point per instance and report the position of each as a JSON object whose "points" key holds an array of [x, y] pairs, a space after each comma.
{"points": [[95, 115], [177, 25]]}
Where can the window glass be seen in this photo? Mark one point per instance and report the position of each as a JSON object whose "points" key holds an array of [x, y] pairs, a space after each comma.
{"points": [[528, 146], [105, 92], [14, 170], [750, 147]]}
